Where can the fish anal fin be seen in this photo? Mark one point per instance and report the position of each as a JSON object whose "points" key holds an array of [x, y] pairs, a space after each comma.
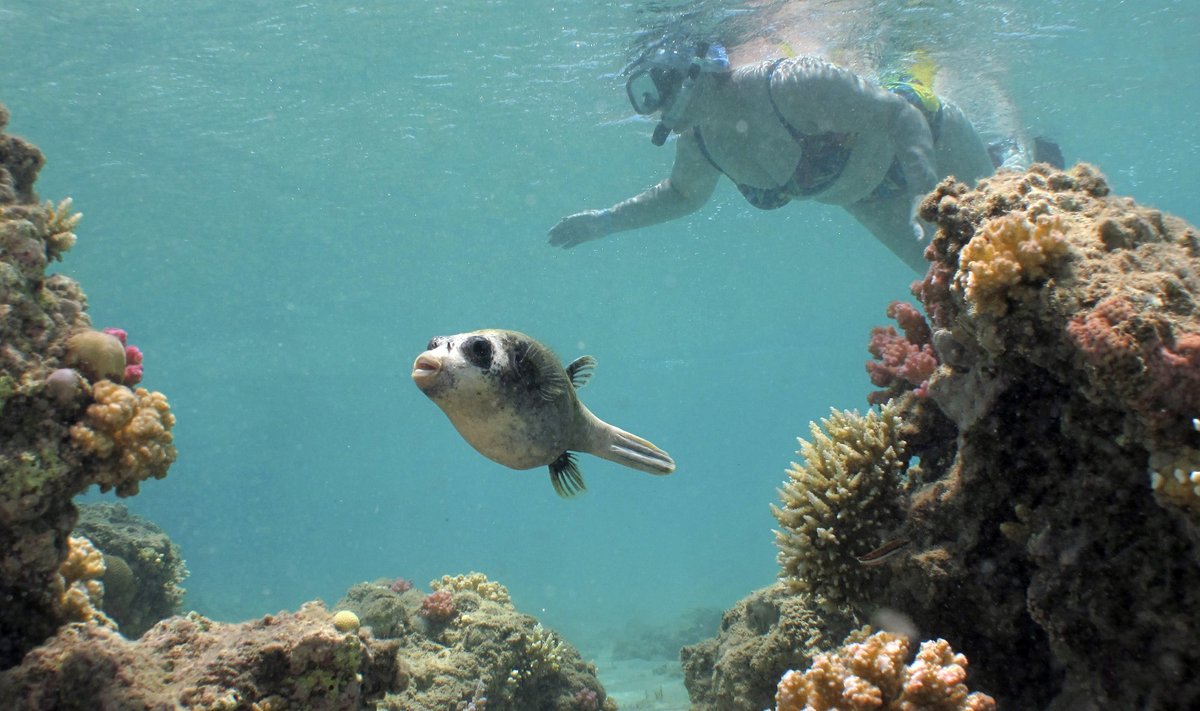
{"points": [[580, 370], [565, 476]]}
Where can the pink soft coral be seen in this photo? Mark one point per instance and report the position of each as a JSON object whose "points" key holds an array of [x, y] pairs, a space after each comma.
{"points": [[438, 606], [901, 362]]}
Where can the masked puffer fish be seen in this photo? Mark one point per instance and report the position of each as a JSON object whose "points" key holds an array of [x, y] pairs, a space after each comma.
{"points": [[512, 400]]}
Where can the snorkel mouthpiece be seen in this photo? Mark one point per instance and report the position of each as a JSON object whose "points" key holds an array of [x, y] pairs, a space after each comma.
{"points": [[683, 97], [661, 131]]}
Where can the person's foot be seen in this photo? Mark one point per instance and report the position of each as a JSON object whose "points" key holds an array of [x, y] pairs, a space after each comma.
{"points": [[1008, 154], [1047, 151]]}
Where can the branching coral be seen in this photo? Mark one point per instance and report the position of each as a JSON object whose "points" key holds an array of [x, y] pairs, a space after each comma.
{"points": [[60, 228], [1007, 251], [838, 503], [477, 582], [901, 362], [80, 580], [871, 676], [127, 433]]}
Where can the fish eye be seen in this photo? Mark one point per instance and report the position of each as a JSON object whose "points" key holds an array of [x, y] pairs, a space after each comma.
{"points": [[433, 342], [479, 351]]}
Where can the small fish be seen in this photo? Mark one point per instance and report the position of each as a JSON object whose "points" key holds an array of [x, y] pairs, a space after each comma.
{"points": [[511, 399], [884, 552]]}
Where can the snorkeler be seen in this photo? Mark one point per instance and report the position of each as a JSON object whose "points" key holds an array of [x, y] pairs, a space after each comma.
{"points": [[789, 129]]}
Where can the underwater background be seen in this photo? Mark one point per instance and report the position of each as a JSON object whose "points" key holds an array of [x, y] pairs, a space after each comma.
{"points": [[284, 201]]}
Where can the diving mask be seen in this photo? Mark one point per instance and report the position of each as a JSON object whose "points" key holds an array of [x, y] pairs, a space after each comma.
{"points": [[664, 78]]}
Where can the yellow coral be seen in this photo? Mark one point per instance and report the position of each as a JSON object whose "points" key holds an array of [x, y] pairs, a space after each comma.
{"points": [[476, 582], [1007, 251], [839, 503], [60, 227], [127, 433], [81, 590], [871, 675], [1175, 479], [345, 621]]}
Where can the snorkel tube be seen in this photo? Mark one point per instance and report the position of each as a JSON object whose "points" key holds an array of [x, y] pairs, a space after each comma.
{"points": [[682, 98]]}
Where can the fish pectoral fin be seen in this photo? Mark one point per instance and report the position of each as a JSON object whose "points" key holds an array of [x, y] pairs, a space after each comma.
{"points": [[580, 370], [565, 476]]}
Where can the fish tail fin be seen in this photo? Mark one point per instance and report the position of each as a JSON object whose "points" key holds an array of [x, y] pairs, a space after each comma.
{"points": [[617, 445]]}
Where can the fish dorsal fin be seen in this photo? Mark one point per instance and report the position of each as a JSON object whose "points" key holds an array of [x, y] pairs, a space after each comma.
{"points": [[565, 476], [580, 371], [539, 368]]}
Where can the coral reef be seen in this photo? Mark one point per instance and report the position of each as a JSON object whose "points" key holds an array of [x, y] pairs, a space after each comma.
{"points": [[1053, 510], [1007, 251], [901, 363], [284, 661], [438, 606], [840, 504], [126, 436], [144, 568], [765, 634], [485, 652], [80, 587], [871, 674], [43, 463], [476, 582], [490, 656]]}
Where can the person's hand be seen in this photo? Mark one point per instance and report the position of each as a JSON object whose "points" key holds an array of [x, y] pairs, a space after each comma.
{"points": [[581, 227]]}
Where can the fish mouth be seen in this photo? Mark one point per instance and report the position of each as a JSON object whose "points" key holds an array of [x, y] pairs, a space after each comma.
{"points": [[425, 370]]}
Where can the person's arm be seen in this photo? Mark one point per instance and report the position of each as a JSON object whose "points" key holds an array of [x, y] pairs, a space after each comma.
{"points": [[817, 97], [689, 186]]}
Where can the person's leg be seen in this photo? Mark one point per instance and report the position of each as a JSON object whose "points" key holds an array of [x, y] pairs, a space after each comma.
{"points": [[892, 222], [959, 149]]}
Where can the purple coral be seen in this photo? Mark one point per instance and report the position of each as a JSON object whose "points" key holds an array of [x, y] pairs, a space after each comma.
{"points": [[400, 585], [901, 362], [587, 700], [438, 606]]}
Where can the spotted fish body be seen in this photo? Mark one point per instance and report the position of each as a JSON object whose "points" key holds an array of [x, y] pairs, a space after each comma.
{"points": [[510, 399]]}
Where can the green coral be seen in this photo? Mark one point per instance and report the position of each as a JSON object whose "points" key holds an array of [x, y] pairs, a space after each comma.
{"points": [[840, 503]]}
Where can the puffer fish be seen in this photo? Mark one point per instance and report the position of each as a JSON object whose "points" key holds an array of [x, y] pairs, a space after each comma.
{"points": [[511, 399]]}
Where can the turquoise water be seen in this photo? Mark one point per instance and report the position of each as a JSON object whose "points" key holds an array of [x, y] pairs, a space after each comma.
{"points": [[284, 201]]}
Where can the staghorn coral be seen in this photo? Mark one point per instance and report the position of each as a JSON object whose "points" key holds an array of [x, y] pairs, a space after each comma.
{"points": [[871, 674], [477, 582], [41, 468], [839, 503], [127, 434]]}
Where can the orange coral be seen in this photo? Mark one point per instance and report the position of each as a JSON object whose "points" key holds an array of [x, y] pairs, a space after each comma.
{"points": [[871, 675], [127, 432], [1007, 251], [81, 589]]}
